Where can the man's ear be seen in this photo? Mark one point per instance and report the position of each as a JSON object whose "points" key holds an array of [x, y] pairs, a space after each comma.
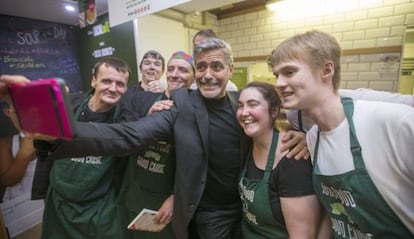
{"points": [[275, 111], [93, 82], [328, 70], [231, 69]]}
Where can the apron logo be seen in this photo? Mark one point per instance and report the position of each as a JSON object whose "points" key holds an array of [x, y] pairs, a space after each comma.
{"points": [[151, 154], [160, 146], [150, 166], [88, 160], [343, 195], [339, 209], [248, 194], [349, 231], [250, 216]]}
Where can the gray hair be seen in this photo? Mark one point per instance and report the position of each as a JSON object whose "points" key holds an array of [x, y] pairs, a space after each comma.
{"points": [[214, 44]]}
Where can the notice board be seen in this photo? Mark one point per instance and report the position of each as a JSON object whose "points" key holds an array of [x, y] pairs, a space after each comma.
{"points": [[39, 49], [100, 40], [239, 77]]}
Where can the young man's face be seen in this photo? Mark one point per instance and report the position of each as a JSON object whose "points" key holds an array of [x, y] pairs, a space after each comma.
{"points": [[212, 73], [297, 84], [151, 69], [179, 73], [110, 85]]}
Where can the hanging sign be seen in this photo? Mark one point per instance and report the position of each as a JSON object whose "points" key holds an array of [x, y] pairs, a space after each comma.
{"points": [[121, 11]]}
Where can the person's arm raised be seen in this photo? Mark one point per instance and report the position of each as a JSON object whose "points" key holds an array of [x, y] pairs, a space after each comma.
{"points": [[12, 169]]}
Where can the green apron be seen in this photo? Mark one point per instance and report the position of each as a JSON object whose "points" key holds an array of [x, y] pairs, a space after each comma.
{"points": [[148, 182], [356, 208], [258, 220], [81, 196]]}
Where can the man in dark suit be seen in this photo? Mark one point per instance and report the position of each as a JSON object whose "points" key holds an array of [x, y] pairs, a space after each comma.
{"points": [[208, 141]]}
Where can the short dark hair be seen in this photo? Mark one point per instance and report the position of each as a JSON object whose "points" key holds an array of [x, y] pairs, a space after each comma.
{"points": [[155, 55], [117, 63], [272, 97], [205, 32], [269, 93]]}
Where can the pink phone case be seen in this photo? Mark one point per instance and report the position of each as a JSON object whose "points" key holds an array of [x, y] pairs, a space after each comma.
{"points": [[43, 107]]}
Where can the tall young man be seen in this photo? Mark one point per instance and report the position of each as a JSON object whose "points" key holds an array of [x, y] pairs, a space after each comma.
{"points": [[362, 151]]}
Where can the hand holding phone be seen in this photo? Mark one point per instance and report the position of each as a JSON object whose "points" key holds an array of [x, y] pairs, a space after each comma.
{"points": [[6, 80], [43, 107]]}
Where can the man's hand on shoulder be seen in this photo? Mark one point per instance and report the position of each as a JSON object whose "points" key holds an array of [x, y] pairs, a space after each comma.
{"points": [[160, 106], [295, 142]]}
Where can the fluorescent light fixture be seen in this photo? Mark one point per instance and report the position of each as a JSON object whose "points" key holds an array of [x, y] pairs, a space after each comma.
{"points": [[299, 9], [70, 8], [273, 5]]}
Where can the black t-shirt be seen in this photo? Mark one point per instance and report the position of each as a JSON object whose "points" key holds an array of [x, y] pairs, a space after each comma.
{"points": [[290, 178], [87, 115], [136, 103], [224, 154]]}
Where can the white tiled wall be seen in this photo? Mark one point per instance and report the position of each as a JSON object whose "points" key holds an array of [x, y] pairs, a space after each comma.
{"points": [[382, 25]]}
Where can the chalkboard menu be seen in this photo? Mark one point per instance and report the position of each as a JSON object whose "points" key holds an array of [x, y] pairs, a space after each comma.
{"points": [[100, 40], [39, 49]]}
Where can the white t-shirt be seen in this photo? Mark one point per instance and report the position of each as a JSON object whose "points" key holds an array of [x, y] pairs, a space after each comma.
{"points": [[385, 132], [361, 94]]}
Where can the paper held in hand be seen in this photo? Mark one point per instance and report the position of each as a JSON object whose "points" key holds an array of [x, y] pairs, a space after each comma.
{"points": [[145, 222]]}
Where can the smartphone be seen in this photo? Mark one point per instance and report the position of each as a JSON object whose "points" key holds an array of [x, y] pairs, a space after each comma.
{"points": [[43, 107]]}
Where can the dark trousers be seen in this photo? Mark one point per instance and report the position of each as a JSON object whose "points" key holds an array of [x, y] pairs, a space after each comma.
{"points": [[221, 223]]}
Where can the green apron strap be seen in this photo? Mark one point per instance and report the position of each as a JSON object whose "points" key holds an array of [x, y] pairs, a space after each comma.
{"points": [[355, 146], [315, 152], [271, 155], [300, 122]]}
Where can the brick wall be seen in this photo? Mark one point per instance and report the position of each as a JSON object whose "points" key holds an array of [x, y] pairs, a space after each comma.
{"points": [[371, 38]]}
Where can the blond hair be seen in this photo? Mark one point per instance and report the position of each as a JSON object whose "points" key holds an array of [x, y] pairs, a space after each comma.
{"points": [[313, 47]]}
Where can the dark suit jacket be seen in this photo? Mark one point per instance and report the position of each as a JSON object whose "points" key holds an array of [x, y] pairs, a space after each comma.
{"points": [[186, 122]]}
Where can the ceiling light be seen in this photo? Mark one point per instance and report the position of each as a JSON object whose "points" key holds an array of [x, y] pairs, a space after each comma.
{"points": [[306, 8], [70, 8], [273, 5]]}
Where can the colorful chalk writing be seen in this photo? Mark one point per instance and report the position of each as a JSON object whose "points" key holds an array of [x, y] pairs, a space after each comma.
{"points": [[39, 49]]}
